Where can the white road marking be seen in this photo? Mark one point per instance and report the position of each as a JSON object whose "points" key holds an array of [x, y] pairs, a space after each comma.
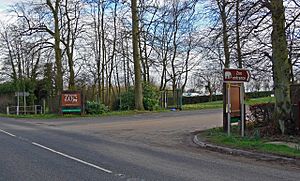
{"points": [[60, 153], [7, 133], [72, 158]]}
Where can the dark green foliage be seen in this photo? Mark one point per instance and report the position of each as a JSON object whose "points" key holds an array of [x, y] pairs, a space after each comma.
{"points": [[259, 94], [95, 108], [126, 101], [7, 87], [151, 97], [199, 99], [150, 101], [21, 85]]}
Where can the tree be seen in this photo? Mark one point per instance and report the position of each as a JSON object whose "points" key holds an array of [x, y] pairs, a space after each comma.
{"points": [[209, 77], [136, 57], [71, 30], [281, 67], [56, 34]]}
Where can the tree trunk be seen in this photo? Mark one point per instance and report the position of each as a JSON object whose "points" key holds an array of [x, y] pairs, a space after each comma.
{"points": [[136, 58], [280, 64], [58, 56], [103, 53], [238, 41], [222, 7]]}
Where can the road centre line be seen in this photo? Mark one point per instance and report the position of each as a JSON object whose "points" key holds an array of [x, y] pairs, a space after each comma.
{"points": [[72, 158], [60, 153], [7, 133]]}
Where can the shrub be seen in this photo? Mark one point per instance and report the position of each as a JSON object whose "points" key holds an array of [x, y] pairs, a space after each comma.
{"points": [[96, 108], [150, 101], [151, 97], [261, 121], [7, 87], [126, 101]]}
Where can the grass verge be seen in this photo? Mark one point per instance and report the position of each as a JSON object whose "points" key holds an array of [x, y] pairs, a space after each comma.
{"points": [[56, 116], [218, 137], [204, 105], [219, 104]]}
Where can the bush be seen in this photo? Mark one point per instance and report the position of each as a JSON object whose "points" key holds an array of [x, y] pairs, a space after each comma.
{"points": [[261, 121], [151, 97], [8, 87], [200, 99], [150, 101], [95, 108], [126, 101]]}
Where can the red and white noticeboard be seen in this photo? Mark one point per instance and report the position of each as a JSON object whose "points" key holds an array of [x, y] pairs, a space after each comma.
{"points": [[71, 99]]}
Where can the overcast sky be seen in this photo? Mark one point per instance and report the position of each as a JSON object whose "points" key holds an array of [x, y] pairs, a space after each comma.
{"points": [[3, 6], [5, 3]]}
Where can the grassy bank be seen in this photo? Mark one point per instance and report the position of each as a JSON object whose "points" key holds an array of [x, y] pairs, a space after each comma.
{"points": [[219, 104], [217, 136], [55, 116]]}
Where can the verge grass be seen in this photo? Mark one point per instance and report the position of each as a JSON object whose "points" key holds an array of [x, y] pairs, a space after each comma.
{"points": [[217, 136], [55, 116], [219, 104]]}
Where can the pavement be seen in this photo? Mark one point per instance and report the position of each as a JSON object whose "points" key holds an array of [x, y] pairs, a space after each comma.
{"points": [[239, 152]]}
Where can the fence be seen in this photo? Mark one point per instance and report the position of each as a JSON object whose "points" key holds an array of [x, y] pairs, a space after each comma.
{"points": [[171, 99], [35, 109]]}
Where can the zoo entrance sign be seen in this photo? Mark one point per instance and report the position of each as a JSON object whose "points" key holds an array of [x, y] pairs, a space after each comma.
{"points": [[236, 75]]}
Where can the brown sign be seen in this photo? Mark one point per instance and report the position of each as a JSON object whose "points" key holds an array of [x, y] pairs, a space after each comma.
{"points": [[71, 99], [236, 75], [235, 100]]}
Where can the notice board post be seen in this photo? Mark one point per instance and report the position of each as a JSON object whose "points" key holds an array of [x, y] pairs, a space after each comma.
{"points": [[233, 107]]}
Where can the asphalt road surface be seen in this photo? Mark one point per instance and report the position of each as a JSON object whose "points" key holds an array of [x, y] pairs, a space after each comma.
{"points": [[133, 148]]}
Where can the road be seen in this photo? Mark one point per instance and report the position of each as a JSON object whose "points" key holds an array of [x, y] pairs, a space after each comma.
{"points": [[133, 148]]}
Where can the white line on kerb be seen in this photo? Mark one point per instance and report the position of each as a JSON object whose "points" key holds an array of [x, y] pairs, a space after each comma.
{"points": [[7, 133], [72, 158]]}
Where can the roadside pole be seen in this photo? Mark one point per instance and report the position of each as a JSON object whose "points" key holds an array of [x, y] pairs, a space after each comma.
{"points": [[228, 109], [18, 103], [242, 93]]}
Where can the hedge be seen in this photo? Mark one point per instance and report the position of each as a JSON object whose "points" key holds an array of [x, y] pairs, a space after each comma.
{"points": [[199, 99]]}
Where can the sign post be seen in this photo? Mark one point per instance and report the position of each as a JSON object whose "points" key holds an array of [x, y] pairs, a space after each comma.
{"points": [[235, 76], [24, 95], [242, 92], [228, 109]]}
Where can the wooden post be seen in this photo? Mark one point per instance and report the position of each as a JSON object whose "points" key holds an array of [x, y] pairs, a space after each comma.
{"points": [[242, 93], [228, 110]]}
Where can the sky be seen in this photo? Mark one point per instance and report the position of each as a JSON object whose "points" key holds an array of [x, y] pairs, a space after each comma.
{"points": [[4, 4]]}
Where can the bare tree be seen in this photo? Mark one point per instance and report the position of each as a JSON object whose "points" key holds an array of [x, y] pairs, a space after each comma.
{"points": [[136, 57]]}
